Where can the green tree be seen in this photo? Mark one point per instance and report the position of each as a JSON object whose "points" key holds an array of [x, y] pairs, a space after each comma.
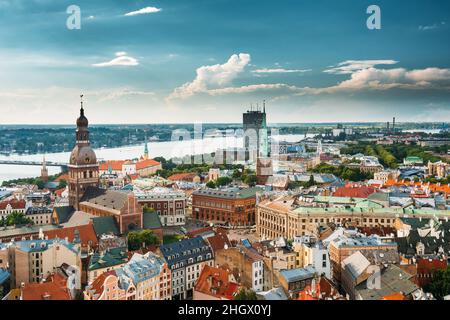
{"points": [[245, 294], [311, 181], [62, 184], [237, 174], [139, 239], [16, 218], [440, 286], [250, 180], [223, 181], [211, 184]]}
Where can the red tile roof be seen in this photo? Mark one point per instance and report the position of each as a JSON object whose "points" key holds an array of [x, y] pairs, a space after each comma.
{"points": [[116, 165], [324, 289], [15, 204], [219, 240], [215, 282], [433, 187], [354, 191], [59, 192], [187, 176], [142, 164], [87, 234], [55, 288], [97, 285], [429, 266], [380, 230], [64, 177]]}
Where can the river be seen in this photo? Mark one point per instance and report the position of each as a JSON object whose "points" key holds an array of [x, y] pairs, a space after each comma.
{"points": [[168, 149]]}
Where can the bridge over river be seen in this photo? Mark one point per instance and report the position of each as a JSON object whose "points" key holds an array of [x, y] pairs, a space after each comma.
{"points": [[33, 163]]}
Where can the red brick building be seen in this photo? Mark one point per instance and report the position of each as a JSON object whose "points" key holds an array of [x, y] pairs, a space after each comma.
{"points": [[234, 206], [124, 207], [426, 268]]}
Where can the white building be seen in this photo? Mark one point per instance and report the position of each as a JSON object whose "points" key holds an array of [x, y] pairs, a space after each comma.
{"points": [[313, 253], [258, 275], [168, 204]]}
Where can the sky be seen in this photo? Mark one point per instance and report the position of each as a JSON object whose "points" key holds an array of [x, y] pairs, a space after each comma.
{"points": [[186, 61]]}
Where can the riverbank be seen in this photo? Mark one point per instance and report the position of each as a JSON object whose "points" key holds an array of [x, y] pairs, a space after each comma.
{"points": [[166, 149]]}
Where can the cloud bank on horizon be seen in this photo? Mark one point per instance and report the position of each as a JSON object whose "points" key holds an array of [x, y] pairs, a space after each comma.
{"points": [[174, 62]]}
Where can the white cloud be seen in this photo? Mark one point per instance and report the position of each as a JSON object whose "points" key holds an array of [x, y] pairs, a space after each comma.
{"points": [[351, 66], [384, 79], [213, 77], [215, 80], [120, 93], [362, 80], [280, 70], [121, 60], [254, 88], [432, 26], [145, 10]]}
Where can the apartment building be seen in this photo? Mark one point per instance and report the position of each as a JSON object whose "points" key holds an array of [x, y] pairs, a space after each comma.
{"points": [[168, 204], [186, 259]]}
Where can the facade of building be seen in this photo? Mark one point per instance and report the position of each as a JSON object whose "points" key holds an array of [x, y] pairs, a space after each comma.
{"points": [[281, 218], [34, 260], [370, 167], [107, 287], [386, 175], [312, 253], [150, 276], [439, 169], [232, 206], [14, 205], [83, 166], [186, 259], [255, 133], [143, 167], [295, 280], [169, 205], [245, 262], [122, 206], [344, 246], [39, 215]]}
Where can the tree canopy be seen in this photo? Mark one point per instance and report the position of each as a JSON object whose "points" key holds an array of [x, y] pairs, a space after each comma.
{"points": [[139, 239], [245, 294], [440, 286]]}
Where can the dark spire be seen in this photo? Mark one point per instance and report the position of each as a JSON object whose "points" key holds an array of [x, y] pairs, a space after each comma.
{"points": [[82, 121], [264, 106], [81, 110]]}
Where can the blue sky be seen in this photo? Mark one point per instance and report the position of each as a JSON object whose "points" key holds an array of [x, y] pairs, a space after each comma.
{"points": [[208, 60]]}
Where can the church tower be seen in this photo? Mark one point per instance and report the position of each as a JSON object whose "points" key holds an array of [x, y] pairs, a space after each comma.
{"points": [[146, 149], [83, 166], [44, 171]]}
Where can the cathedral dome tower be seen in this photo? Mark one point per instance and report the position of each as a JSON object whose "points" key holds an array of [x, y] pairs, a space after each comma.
{"points": [[83, 166]]}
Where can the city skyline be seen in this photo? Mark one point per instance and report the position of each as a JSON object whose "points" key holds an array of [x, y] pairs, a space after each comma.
{"points": [[173, 62]]}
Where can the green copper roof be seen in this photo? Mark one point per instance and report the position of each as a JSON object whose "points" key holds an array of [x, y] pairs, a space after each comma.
{"points": [[110, 258], [361, 210], [151, 221], [105, 225]]}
